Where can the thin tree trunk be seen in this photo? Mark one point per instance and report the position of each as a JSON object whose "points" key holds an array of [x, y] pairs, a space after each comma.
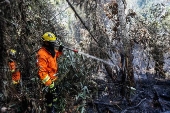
{"points": [[126, 51]]}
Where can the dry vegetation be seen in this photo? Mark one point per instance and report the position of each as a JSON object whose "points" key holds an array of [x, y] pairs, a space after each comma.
{"points": [[86, 85]]}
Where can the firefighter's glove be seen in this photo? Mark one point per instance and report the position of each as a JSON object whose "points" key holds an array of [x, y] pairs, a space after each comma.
{"points": [[51, 86], [60, 49]]}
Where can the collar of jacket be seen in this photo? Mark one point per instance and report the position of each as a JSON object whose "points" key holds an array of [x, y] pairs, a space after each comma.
{"points": [[50, 50]]}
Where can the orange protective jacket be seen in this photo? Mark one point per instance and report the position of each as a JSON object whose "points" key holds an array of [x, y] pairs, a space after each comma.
{"points": [[16, 75], [47, 65]]}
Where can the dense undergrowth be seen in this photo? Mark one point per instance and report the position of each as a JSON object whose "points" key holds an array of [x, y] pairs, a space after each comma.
{"points": [[100, 28]]}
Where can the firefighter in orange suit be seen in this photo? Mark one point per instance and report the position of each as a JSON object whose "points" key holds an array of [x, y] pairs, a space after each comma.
{"points": [[16, 76], [48, 67]]}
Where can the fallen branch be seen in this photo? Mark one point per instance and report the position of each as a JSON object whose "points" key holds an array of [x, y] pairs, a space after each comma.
{"points": [[124, 111], [107, 104]]}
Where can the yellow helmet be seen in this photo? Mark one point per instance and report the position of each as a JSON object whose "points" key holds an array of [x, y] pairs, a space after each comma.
{"points": [[12, 52], [48, 36]]}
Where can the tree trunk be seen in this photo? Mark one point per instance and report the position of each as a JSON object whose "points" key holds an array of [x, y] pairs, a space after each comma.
{"points": [[126, 52]]}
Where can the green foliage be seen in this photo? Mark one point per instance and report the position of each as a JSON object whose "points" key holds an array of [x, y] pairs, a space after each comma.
{"points": [[73, 78]]}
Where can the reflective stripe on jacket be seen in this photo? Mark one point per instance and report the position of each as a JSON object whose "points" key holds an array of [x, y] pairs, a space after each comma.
{"points": [[47, 65]]}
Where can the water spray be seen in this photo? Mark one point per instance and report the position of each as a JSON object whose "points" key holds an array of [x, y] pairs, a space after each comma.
{"points": [[89, 56]]}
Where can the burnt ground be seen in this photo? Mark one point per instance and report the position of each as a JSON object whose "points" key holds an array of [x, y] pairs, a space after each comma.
{"points": [[152, 95]]}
